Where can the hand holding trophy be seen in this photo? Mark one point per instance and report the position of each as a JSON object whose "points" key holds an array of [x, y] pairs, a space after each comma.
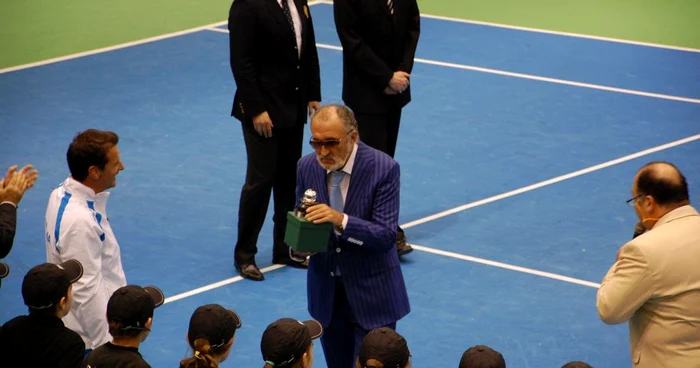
{"points": [[302, 235]]}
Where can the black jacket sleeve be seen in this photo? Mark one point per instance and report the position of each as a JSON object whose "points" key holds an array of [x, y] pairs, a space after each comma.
{"points": [[8, 224], [242, 24]]}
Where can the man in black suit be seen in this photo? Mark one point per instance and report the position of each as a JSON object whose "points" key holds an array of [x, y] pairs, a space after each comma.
{"points": [[12, 188], [379, 39], [275, 65]]}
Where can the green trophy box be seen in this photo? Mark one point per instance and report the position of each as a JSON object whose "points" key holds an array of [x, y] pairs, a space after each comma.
{"points": [[305, 236]]}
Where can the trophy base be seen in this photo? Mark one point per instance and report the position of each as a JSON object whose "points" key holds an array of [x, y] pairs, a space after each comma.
{"points": [[305, 236]]}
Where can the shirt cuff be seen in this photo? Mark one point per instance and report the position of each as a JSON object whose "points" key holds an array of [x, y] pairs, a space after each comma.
{"points": [[15, 206], [339, 231]]}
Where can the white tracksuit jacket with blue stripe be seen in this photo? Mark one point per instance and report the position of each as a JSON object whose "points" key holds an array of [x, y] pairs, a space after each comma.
{"points": [[77, 227]]}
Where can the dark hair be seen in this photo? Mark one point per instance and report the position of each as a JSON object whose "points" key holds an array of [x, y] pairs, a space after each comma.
{"points": [[665, 190], [203, 354], [291, 364], [116, 330], [89, 148], [294, 363]]}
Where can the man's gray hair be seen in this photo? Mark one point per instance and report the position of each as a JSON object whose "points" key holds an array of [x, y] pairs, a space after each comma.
{"points": [[343, 112]]}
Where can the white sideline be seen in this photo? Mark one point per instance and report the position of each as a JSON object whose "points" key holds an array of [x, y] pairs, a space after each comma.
{"points": [[119, 46], [522, 75], [505, 266], [476, 204], [551, 181], [546, 31]]}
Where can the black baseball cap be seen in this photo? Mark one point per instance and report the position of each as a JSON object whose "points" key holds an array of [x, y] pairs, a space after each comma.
{"points": [[482, 356], [577, 364], [214, 323], [4, 270], [44, 285], [133, 305], [386, 346], [285, 340]]}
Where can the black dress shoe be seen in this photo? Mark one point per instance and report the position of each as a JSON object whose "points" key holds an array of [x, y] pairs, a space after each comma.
{"points": [[250, 271], [292, 259], [402, 248]]}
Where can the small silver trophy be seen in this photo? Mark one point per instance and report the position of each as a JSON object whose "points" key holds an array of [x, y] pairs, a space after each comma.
{"points": [[307, 201]]}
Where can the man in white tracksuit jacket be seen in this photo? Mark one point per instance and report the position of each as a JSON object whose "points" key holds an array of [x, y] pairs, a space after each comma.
{"points": [[77, 227]]}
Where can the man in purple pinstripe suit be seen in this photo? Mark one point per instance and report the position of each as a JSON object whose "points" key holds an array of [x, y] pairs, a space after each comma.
{"points": [[357, 285]]}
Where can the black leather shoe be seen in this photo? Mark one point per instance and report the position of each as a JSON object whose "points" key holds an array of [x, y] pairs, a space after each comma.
{"points": [[402, 247], [250, 271], [292, 259]]}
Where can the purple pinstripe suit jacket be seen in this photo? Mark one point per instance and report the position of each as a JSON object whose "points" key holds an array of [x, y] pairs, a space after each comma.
{"points": [[366, 251]]}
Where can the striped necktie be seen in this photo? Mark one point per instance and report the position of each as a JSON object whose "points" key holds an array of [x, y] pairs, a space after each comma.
{"points": [[390, 5]]}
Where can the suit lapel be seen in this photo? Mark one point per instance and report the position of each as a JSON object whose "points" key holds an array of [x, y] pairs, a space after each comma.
{"points": [[275, 10], [384, 6], [320, 182], [360, 175]]}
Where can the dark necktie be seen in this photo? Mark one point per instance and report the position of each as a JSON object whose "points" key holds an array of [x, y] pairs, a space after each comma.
{"points": [[390, 5], [288, 14]]}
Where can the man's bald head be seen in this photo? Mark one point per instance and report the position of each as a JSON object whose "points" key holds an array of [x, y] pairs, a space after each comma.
{"points": [[335, 114], [664, 182]]}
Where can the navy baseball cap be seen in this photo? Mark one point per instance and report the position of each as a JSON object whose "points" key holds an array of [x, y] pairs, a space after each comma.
{"points": [[385, 346], [482, 356], [285, 340], [44, 285], [214, 323], [133, 305]]}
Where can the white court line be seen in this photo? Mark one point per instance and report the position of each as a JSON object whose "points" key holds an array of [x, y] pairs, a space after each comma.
{"points": [[523, 76], [119, 46], [567, 34], [551, 181], [215, 285], [560, 81], [558, 33], [506, 266], [476, 204], [107, 49]]}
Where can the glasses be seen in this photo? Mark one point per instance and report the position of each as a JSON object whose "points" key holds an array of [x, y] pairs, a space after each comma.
{"points": [[633, 200], [329, 144]]}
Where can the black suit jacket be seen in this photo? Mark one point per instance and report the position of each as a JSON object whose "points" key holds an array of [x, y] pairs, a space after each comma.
{"points": [[375, 45], [8, 224], [269, 74]]}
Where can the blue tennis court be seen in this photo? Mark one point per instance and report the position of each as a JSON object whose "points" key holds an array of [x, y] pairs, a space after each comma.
{"points": [[493, 110]]}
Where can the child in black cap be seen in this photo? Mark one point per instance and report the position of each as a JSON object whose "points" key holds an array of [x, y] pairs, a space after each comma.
{"points": [[384, 348], [576, 364], [288, 343], [210, 336], [41, 339], [482, 356], [130, 317]]}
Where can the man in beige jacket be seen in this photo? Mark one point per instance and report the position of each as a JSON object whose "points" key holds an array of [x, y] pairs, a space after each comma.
{"points": [[655, 282]]}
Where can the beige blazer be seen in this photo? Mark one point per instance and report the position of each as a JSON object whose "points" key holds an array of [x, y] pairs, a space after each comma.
{"points": [[655, 285]]}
